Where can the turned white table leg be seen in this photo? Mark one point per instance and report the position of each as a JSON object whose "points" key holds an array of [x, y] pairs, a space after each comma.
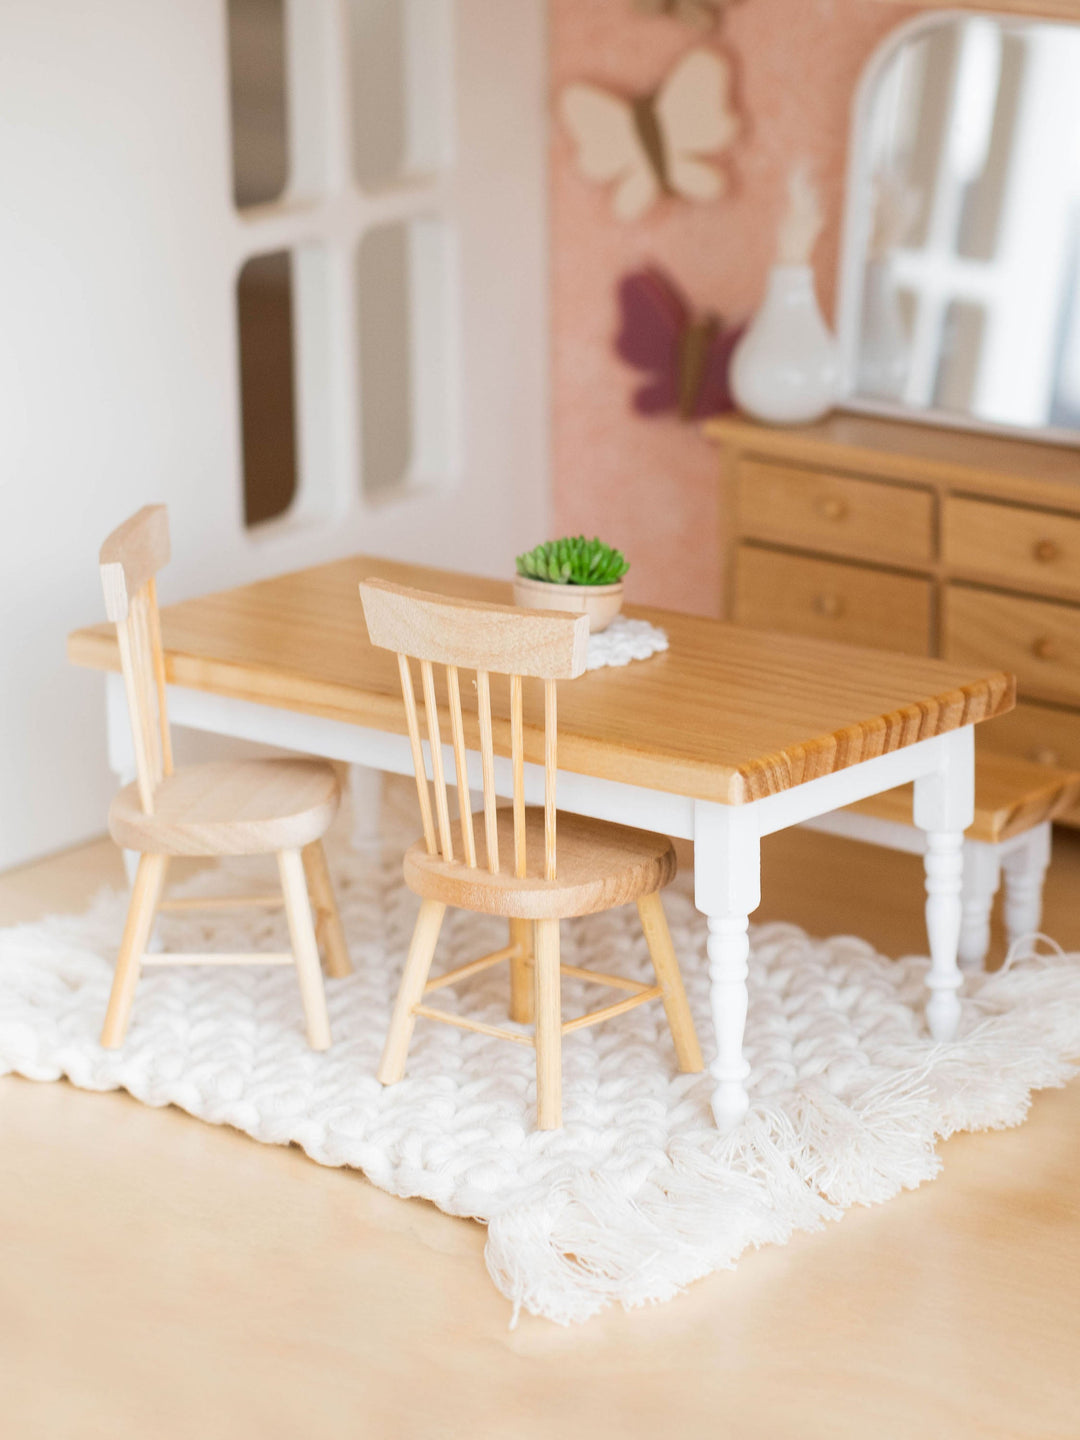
{"points": [[944, 878], [1025, 870], [727, 888], [982, 875], [944, 808], [729, 951]]}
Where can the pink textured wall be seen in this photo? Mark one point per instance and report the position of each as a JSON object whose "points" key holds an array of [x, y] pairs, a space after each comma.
{"points": [[649, 486]]}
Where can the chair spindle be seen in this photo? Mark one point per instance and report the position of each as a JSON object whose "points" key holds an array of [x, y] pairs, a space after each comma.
{"points": [[417, 754], [550, 769], [487, 757], [517, 752], [158, 652], [140, 611], [431, 712], [457, 729], [129, 663]]}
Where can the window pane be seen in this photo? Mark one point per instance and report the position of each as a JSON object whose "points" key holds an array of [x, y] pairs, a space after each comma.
{"points": [[257, 93], [264, 302], [401, 62], [408, 403]]}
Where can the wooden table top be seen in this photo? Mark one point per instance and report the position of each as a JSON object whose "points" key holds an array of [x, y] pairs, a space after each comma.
{"points": [[726, 713]]}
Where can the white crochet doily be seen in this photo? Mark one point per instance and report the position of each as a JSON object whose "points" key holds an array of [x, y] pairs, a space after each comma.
{"points": [[625, 640], [638, 1194]]}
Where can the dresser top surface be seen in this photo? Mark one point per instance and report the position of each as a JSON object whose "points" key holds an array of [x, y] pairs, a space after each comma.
{"points": [[905, 448]]}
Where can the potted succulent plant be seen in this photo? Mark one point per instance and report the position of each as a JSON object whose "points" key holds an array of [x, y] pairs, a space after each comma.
{"points": [[575, 574]]}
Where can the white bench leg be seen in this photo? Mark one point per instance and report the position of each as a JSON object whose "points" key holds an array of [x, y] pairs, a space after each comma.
{"points": [[982, 875], [1025, 870], [944, 808]]}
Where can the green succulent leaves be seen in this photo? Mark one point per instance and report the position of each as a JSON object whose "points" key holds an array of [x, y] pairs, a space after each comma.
{"points": [[574, 561]]}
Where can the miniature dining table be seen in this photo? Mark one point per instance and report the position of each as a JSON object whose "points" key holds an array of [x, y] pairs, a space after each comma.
{"points": [[727, 736]]}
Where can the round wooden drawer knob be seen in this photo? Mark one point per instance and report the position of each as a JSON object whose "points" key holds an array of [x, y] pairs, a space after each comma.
{"points": [[1044, 648], [831, 507], [831, 606], [1047, 551], [1045, 756]]}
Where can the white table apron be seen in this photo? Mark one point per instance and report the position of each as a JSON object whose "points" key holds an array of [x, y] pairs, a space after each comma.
{"points": [[727, 868]]}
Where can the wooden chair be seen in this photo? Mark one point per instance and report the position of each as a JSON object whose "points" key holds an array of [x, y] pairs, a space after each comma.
{"points": [[595, 867], [250, 807]]}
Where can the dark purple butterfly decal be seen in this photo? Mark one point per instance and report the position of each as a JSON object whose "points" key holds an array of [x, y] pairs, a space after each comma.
{"points": [[687, 356]]}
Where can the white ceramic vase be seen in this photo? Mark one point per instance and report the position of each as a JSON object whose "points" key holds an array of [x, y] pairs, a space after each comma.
{"points": [[786, 368]]}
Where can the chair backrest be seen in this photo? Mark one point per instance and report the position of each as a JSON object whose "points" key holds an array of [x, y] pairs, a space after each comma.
{"points": [[492, 640], [130, 559]]}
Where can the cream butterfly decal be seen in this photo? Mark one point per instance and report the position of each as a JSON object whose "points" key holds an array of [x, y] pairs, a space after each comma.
{"points": [[656, 144]]}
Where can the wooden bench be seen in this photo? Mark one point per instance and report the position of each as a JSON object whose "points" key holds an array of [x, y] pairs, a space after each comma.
{"points": [[1015, 803]]}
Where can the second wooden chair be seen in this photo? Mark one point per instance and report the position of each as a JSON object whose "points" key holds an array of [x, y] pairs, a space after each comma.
{"points": [[248, 807], [594, 867]]}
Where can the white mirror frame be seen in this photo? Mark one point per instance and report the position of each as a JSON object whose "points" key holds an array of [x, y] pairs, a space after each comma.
{"points": [[855, 238]]}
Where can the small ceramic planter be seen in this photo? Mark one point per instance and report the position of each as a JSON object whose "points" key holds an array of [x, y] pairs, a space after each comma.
{"points": [[601, 603]]}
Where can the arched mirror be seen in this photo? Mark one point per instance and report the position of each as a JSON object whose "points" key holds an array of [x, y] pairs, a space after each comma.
{"points": [[960, 276]]}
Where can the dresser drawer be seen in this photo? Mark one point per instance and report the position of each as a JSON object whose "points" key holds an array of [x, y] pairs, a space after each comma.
{"points": [[863, 518], [776, 591], [1013, 546], [1036, 639]]}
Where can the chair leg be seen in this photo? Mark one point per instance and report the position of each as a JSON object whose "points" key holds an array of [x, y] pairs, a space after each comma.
{"points": [[145, 895], [669, 977], [305, 948], [411, 990], [522, 984], [548, 1026], [328, 926]]}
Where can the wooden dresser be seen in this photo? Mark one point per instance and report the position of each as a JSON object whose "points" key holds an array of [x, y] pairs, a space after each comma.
{"points": [[909, 537]]}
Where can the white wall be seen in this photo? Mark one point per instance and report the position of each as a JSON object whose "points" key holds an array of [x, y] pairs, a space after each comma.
{"points": [[118, 249]]}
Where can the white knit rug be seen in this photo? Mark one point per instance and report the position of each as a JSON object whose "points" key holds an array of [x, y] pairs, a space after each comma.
{"points": [[637, 1195]]}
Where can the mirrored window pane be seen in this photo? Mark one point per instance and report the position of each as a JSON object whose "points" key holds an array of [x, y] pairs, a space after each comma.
{"points": [[401, 65], [264, 302], [257, 95], [980, 224], [971, 184]]}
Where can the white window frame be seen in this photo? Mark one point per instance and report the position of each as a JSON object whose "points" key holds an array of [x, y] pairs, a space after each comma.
{"points": [[320, 220]]}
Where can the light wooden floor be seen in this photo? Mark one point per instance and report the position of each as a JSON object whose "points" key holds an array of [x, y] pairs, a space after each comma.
{"points": [[161, 1278]]}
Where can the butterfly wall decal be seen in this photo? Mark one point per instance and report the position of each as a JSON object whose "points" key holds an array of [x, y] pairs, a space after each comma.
{"points": [[686, 356], [656, 144], [702, 13]]}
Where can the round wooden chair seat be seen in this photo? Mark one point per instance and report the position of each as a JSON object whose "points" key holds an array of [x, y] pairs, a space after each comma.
{"points": [[600, 865], [241, 807]]}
